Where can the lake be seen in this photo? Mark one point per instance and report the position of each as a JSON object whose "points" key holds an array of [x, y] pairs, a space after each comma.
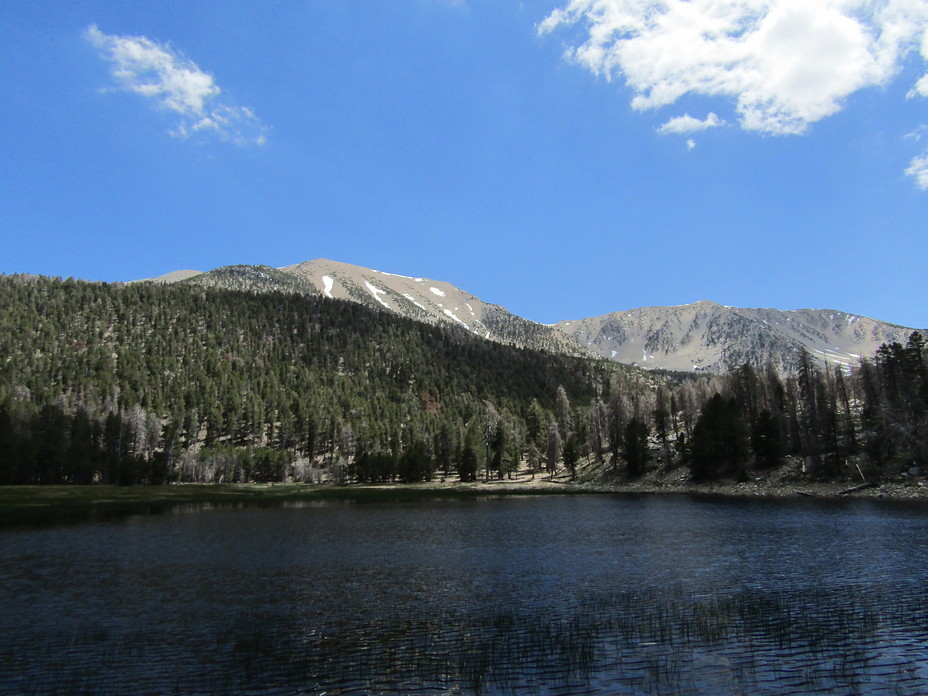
{"points": [[548, 595]]}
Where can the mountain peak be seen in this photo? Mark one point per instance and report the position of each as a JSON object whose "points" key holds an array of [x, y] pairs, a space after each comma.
{"points": [[417, 298]]}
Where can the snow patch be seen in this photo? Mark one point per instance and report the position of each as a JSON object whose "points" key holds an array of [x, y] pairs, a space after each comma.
{"points": [[838, 357], [467, 304], [479, 323], [451, 314], [413, 300], [614, 353], [377, 292], [438, 292], [395, 275], [327, 284]]}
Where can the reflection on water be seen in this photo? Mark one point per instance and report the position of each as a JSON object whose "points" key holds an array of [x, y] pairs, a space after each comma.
{"points": [[537, 596]]}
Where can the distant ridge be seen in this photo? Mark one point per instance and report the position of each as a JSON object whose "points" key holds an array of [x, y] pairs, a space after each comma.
{"points": [[705, 336], [699, 337]]}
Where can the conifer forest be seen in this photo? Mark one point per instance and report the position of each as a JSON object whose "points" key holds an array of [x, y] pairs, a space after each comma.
{"points": [[151, 384]]}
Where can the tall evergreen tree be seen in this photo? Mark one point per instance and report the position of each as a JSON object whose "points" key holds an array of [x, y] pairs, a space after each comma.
{"points": [[635, 448], [717, 445]]}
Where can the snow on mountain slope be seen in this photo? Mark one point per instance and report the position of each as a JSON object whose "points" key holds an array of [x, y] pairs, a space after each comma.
{"points": [[417, 298], [420, 299], [432, 301], [711, 337]]}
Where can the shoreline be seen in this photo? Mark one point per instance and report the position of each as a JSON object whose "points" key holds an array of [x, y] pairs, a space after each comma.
{"points": [[891, 490], [38, 505]]}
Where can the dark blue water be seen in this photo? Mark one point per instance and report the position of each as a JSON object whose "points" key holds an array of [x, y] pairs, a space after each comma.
{"points": [[567, 595]]}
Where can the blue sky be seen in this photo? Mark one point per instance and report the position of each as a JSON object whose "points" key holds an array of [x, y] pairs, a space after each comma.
{"points": [[562, 158]]}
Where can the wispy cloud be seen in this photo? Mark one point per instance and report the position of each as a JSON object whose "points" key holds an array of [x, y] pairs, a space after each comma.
{"points": [[687, 124], [174, 83], [785, 64], [918, 169]]}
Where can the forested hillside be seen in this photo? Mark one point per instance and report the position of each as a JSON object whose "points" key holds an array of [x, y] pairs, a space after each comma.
{"points": [[149, 374], [145, 383]]}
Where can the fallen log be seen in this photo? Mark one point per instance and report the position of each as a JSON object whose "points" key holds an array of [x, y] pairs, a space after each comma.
{"points": [[854, 489], [804, 493]]}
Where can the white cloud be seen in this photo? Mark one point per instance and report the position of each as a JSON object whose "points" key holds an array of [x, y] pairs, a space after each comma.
{"points": [[690, 144], [687, 124], [785, 64], [918, 169], [160, 73]]}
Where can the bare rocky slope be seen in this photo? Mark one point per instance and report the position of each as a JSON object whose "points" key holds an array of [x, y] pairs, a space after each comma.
{"points": [[703, 336]]}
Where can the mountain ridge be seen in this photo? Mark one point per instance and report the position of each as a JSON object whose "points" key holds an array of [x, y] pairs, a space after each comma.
{"points": [[707, 336], [702, 336]]}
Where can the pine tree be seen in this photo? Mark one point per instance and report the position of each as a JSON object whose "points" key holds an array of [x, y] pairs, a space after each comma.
{"points": [[635, 448]]}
